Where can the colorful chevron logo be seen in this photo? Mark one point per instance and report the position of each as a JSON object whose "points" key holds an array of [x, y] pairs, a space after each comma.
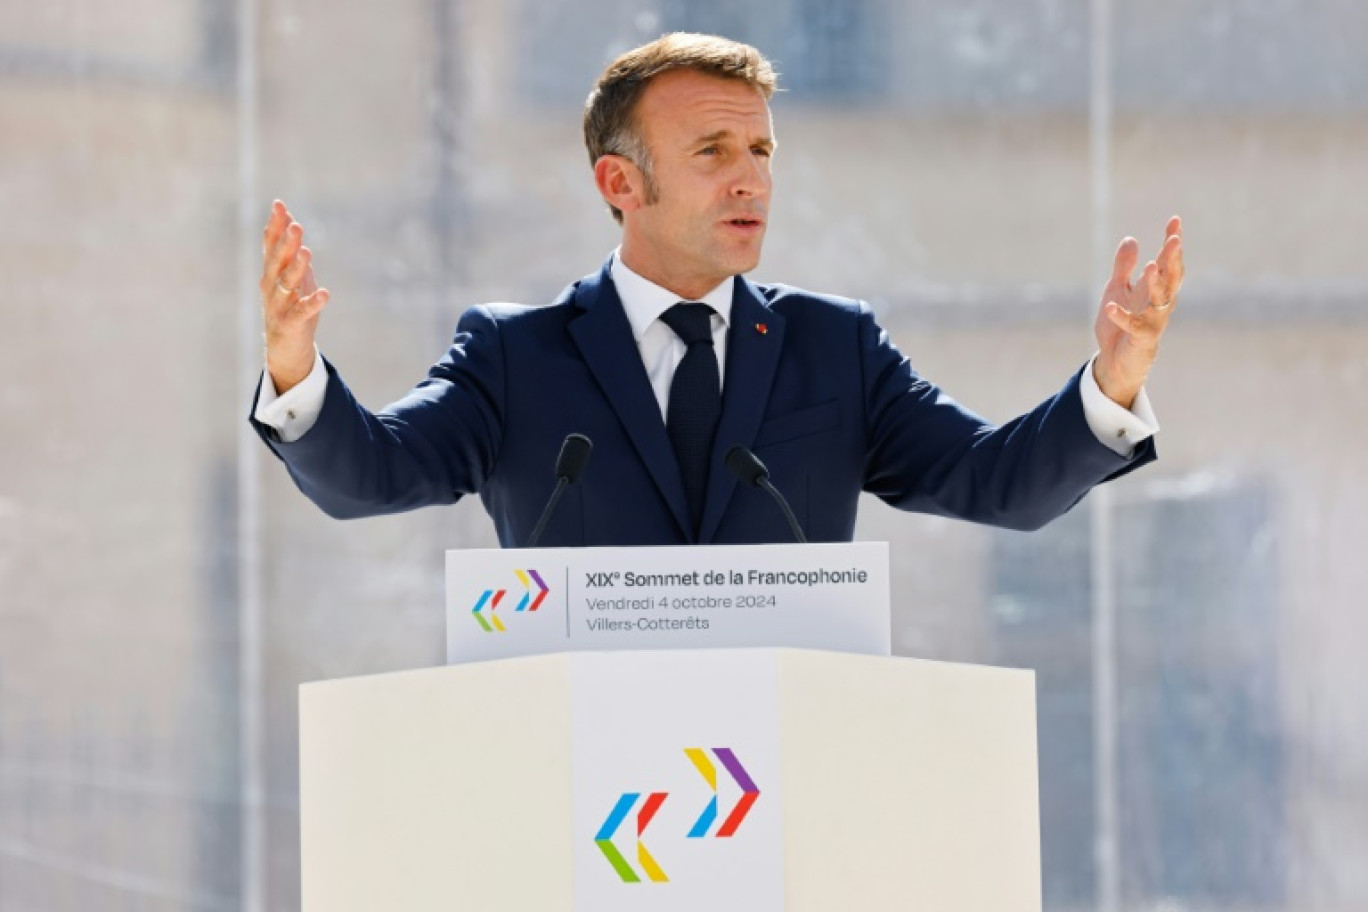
{"points": [[647, 863], [604, 838], [749, 793], [490, 598]]}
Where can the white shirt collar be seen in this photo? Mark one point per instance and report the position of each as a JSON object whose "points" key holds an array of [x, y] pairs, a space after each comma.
{"points": [[644, 301]]}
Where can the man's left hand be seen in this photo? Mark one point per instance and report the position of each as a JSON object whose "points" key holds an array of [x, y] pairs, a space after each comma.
{"points": [[1133, 315]]}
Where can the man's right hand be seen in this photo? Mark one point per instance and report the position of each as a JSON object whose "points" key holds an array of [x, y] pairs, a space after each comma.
{"points": [[290, 299]]}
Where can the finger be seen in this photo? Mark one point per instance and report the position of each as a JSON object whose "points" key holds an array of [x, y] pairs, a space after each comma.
{"points": [[1153, 318], [1148, 287], [1127, 255], [275, 281], [1171, 258], [310, 306], [275, 224], [292, 276], [1170, 249], [1171, 265], [285, 250], [276, 228], [308, 284], [1120, 317], [1143, 328]]}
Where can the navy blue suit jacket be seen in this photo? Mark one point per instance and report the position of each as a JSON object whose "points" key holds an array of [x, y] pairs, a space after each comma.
{"points": [[813, 386]]}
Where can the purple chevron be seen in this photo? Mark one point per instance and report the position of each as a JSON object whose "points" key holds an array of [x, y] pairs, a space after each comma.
{"points": [[536, 576], [738, 772]]}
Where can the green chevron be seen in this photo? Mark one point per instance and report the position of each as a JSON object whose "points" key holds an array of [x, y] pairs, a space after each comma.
{"points": [[617, 861]]}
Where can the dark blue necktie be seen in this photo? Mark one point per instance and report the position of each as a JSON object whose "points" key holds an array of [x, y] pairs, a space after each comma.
{"points": [[695, 401]]}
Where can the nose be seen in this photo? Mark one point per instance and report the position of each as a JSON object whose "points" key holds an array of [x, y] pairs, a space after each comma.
{"points": [[753, 178]]}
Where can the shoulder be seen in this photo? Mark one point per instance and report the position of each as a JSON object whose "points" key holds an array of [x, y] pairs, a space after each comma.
{"points": [[826, 321], [792, 301], [503, 316]]}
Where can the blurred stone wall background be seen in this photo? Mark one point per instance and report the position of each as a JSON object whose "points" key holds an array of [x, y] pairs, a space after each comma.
{"points": [[1197, 631]]}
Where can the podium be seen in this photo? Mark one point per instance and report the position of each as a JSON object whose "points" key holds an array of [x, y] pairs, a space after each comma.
{"points": [[718, 779]]}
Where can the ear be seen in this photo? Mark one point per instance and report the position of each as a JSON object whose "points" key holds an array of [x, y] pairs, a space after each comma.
{"points": [[620, 182]]}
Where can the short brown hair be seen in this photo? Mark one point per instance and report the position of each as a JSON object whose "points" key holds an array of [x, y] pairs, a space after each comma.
{"points": [[610, 126]]}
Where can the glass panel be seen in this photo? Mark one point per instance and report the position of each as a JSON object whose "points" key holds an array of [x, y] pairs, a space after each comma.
{"points": [[934, 160]]}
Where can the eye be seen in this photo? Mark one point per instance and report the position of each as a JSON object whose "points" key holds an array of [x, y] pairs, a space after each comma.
{"points": [[763, 151], [708, 150]]}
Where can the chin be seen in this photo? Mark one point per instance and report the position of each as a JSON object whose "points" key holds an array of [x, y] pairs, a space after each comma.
{"points": [[748, 264], [742, 262]]}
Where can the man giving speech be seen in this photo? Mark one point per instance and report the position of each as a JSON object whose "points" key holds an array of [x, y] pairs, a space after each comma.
{"points": [[667, 358]]}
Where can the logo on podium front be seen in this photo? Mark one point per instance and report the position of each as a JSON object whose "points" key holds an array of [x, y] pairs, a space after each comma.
{"points": [[533, 592], [702, 827], [663, 820]]}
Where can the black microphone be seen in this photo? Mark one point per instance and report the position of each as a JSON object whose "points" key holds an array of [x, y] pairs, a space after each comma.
{"points": [[574, 456], [747, 467]]}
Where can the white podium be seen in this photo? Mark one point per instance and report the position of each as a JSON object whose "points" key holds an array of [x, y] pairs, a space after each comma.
{"points": [[736, 779]]}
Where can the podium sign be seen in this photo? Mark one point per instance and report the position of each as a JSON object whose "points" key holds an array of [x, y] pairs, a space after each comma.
{"points": [[506, 603]]}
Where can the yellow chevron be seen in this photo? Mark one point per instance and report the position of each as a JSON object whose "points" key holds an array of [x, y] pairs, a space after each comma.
{"points": [[700, 760], [498, 624], [648, 864], [523, 577]]}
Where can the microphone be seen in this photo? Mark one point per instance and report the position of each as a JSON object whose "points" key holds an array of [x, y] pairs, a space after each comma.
{"points": [[747, 467], [574, 456]]}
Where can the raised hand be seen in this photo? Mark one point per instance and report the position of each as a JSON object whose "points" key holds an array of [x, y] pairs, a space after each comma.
{"points": [[290, 299], [1133, 315]]}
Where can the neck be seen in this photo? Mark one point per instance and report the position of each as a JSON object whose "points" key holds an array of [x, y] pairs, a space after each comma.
{"points": [[687, 287]]}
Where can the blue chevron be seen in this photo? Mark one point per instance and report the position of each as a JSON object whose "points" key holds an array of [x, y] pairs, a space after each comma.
{"points": [[705, 821], [481, 603], [619, 811]]}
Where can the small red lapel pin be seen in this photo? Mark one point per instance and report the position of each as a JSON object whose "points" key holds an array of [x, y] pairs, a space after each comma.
{"points": [[761, 328]]}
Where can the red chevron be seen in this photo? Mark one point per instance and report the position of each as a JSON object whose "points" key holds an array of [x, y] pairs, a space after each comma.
{"points": [[738, 813], [648, 810], [538, 600]]}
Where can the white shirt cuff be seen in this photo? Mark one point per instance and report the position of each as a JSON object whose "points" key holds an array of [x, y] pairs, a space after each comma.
{"points": [[1118, 429], [295, 411]]}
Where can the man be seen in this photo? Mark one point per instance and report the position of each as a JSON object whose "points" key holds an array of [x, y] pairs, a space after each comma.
{"points": [[668, 357]]}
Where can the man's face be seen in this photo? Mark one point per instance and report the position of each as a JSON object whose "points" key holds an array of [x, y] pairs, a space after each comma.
{"points": [[710, 142]]}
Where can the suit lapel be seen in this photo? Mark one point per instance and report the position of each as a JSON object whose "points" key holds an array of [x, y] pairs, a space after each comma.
{"points": [[754, 342], [605, 341]]}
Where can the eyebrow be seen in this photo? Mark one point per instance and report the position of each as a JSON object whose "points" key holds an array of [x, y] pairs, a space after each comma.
{"points": [[724, 134]]}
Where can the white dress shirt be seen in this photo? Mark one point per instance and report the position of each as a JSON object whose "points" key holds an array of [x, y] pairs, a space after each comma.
{"points": [[661, 349], [293, 413]]}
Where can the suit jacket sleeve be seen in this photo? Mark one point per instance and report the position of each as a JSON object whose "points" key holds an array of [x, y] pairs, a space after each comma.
{"points": [[439, 442], [925, 452]]}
